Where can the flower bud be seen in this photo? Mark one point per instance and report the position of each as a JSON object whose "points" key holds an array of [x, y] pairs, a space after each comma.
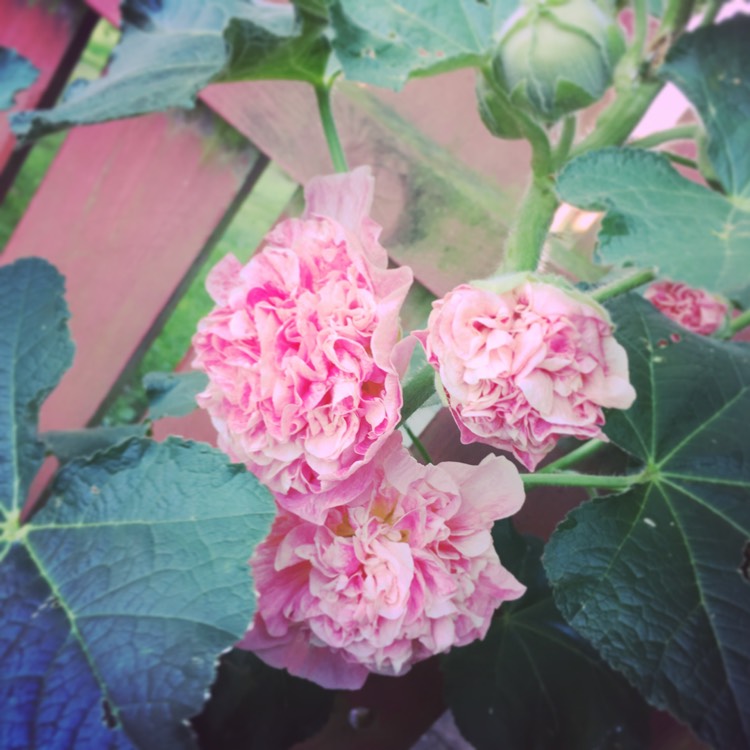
{"points": [[556, 56]]}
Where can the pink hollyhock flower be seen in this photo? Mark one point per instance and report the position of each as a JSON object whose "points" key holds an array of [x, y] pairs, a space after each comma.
{"points": [[524, 363], [404, 571], [301, 349], [694, 309]]}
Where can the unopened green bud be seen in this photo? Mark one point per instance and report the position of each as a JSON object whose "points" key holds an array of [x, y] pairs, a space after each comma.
{"points": [[556, 56]]}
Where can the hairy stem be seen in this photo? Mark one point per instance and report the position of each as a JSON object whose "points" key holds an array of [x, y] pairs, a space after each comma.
{"points": [[738, 323], [580, 453], [618, 120], [573, 479], [679, 133], [323, 95], [620, 286], [527, 235], [418, 444], [560, 154]]}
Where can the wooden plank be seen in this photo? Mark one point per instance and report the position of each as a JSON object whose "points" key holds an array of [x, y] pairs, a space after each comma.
{"points": [[431, 206], [124, 212], [51, 34], [442, 181]]}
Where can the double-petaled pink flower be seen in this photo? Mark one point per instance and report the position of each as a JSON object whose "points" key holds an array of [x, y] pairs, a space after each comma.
{"points": [[404, 571], [694, 309], [524, 363], [301, 349]]}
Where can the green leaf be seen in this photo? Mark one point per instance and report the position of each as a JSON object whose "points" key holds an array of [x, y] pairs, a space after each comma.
{"points": [[387, 42], [656, 217], [16, 74], [255, 707], [653, 576], [712, 67], [69, 444], [271, 42], [138, 568], [533, 682], [170, 50], [35, 350], [172, 394]]}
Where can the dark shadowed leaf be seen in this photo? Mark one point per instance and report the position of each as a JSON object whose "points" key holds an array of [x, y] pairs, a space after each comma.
{"points": [[653, 577], [712, 66], [172, 394], [119, 594], [140, 556], [387, 42], [657, 217], [16, 74], [533, 682], [35, 350], [256, 707]]}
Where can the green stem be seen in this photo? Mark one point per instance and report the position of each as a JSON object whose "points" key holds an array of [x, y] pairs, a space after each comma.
{"points": [[675, 17], [416, 390], [323, 95], [586, 450], [618, 120], [738, 323], [712, 10], [680, 159], [620, 286], [418, 444], [573, 479], [640, 31], [679, 133], [560, 154], [527, 235]]}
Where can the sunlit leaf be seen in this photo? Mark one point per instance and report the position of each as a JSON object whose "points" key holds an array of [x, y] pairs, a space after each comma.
{"points": [[657, 217], [387, 42]]}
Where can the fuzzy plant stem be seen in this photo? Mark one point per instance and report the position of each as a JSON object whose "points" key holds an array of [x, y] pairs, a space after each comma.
{"points": [[534, 218], [418, 444], [582, 452], [739, 323], [573, 479], [323, 95], [626, 284]]}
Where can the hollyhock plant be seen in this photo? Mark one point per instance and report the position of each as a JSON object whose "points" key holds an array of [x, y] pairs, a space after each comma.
{"points": [[694, 309], [406, 570], [523, 362], [301, 348]]}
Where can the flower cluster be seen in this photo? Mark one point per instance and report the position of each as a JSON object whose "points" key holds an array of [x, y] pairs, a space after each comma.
{"points": [[524, 364], [301, 352], [375, 561], [694, 309], [404, 571]]}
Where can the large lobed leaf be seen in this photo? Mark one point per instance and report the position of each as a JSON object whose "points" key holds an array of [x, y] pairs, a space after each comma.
{"points": [[171, 49], [657, 217], [387, 42], [35, 350], [712, 67], [654, 577], [533, 682], [121, 592], [16, 74]]}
